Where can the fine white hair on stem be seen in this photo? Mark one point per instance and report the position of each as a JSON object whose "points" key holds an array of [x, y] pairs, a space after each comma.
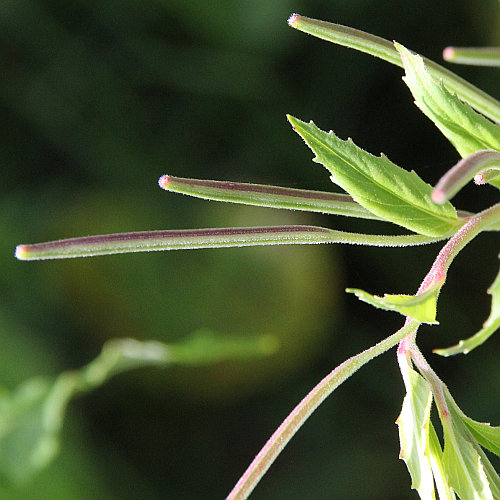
{"points": [[463, 172]]}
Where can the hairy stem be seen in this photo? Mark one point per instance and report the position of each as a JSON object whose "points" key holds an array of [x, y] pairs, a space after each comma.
{"points": [[305, 408], [144, 241], [437, 385], [267, 196], [475, 225], [463, 172], [436, 278]]}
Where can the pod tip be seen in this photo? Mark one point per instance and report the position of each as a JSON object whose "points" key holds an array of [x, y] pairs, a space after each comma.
{"points": [[293, 19], [163, 181]]}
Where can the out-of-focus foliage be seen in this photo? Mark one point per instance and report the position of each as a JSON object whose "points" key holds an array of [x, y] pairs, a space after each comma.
{"points": [[98, 99], [32, 416]]}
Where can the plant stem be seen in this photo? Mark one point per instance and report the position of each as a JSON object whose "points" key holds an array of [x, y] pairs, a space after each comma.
{"points": [[305, 408], [474, 226], [436, 278], [437, 385]]}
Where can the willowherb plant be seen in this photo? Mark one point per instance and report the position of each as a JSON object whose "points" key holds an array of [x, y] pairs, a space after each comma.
{"points": [[380, 190]]}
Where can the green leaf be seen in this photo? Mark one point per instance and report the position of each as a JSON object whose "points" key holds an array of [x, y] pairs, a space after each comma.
{"points": [[436, 458], [487, 436], [378, 184], [420, 446], [490, 326], [466, 129], [421, 307], [494, 291], [464, 468], [32, 416], [494, 180], [413, 423], [26, 445], [468, 469]]}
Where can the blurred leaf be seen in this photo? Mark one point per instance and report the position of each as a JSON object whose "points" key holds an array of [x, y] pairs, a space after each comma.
{"points": [[26, 445], [466, 129], [378, 184], [32, 416], [206, 347]]}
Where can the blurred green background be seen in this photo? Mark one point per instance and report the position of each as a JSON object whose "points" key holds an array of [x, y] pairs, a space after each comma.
{"points": [[98, 99]]}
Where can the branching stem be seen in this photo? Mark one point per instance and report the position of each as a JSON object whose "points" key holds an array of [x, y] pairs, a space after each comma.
{"points": [[436, 277], [474, 226]]}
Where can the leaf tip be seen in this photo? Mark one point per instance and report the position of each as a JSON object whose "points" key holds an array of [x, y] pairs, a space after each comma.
{"points": [[453, 350], [163, 181], [403, 51], [293, 121]]}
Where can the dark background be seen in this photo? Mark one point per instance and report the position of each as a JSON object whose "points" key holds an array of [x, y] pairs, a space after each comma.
{"points": [[98, 99]]}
